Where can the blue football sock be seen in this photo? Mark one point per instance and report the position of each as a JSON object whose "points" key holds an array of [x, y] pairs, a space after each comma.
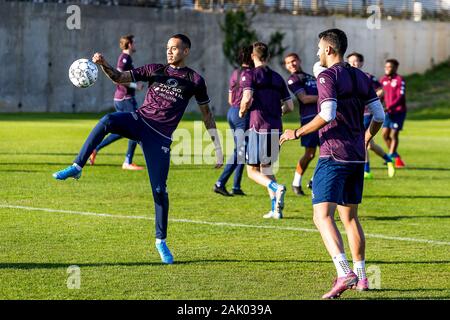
{"points": [[273, 186], [387, 158], [367, 166], [274, 201]]}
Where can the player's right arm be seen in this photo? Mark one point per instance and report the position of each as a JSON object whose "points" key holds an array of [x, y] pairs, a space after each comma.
{"points": [[112, 73]]}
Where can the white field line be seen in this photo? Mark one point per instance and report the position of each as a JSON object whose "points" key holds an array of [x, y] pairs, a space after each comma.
{"points": [[220, 224]]}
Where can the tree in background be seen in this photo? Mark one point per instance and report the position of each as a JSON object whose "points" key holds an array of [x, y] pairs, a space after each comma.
{"points": [[238, 31]]}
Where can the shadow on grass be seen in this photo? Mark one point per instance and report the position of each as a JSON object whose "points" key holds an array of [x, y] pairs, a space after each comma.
{"points": [[389, 218], [389, 196], [63, 164], [32, 265]]}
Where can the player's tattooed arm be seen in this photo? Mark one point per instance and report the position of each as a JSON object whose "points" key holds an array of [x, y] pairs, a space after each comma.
{"points": [[112, 73], [210, 124]]}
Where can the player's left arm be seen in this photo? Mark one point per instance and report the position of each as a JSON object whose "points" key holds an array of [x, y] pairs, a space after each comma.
{"points": [[210, 124], [201, 95]]}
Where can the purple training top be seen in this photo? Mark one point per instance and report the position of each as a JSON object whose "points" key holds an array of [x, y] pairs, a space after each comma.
{"points": [[234, 87], [124, 63], [269, 90], [168, 94], [343, 138], [301, 82], [375, 85]]}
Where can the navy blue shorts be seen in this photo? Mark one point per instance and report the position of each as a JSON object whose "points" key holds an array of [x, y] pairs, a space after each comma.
{"points": [[338, 182], [394, 121], [367, 120], [310, 140], [262, 148]]}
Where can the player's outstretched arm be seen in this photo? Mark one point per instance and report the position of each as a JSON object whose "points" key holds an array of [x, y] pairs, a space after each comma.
{"points": [[112, 73], [210, 124], [315, 124]]}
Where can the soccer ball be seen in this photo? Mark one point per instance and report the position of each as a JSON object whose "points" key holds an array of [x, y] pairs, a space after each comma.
{"points": [[83, 73]]}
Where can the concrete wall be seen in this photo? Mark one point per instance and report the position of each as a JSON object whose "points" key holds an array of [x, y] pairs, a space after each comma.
{"points": [[37, 49]]}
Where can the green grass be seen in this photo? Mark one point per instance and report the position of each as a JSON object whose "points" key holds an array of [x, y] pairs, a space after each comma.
{"points": [[428, 94], [117, 256]]}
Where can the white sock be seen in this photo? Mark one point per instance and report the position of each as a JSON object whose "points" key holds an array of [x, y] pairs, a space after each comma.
{"points": [[158, 241], [297, 180], [341, 264], [359, 268], [77, 166]]}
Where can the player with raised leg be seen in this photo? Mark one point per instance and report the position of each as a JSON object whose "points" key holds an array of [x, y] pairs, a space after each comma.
{"points": [[344, 92], [356, 60], [304, 87], [170, 88], [267, 98], [124, 101]]}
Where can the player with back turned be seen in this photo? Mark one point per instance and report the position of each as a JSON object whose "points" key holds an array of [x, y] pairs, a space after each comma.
{"points": [[344, 92], [170, 88], [266, 98]]}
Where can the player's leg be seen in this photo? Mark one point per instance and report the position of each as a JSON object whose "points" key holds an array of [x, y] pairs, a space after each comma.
{"points": [[328, 189], [156, 151], [130, 105], [348, 214], [367, 174], [231, 165], [241, 125], [123, 123], [302, 165], [380, 152], [110, 138]]}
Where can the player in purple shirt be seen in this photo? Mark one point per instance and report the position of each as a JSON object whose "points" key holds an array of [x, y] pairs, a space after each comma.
{"points": [[304, 87], [266, 97], [238, 125], [170, 88], [124, 101], [344, 92], [356, 60]]}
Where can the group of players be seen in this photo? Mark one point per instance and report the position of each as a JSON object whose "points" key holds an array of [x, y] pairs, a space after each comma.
{"points": [[333, 105], [390, 87]]}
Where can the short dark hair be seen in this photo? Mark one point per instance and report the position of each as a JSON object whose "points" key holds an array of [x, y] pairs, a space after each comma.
{"points": [[357, 55], [184, 39], [125, 41], [292, 54], [261, 50], [394, 62], [337, 38], [245, 55]]}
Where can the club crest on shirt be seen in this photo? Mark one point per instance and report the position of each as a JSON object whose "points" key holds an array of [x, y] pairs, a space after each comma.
{"points": [[124, 60], [394, 83], [172, 82], [290, 82]]}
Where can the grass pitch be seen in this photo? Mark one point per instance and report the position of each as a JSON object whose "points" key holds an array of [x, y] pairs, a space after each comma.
{"points": [[222, 246]]}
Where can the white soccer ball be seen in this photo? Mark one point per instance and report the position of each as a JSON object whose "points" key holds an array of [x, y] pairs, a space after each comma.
{"points": [[83, 73]]}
